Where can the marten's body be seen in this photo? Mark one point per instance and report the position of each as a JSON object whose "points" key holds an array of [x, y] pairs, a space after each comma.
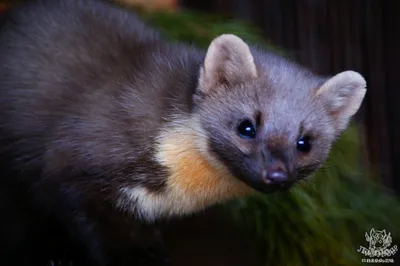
{"points": [[104, 124]]}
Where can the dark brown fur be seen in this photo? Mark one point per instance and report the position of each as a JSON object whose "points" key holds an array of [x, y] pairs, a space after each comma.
{"points": [[75, 141], [85, 91]]}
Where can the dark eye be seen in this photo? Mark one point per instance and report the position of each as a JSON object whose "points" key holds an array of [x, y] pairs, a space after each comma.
{"points": [[246, 130], [304, 144]]}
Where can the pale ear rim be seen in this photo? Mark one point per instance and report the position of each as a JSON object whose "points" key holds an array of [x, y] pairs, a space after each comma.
{"points": [[342, 96], [349, 76], [232, 38], [228, 61]]}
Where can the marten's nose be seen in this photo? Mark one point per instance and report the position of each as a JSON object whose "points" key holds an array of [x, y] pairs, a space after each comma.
{"points": [[275, 177], [276, 170], [275, 173]]}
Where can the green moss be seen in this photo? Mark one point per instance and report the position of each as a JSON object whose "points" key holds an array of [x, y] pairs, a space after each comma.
{"points": [[200, 29]]}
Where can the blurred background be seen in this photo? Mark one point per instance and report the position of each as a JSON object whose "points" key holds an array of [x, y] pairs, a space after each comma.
{"points": [[323, 222]]}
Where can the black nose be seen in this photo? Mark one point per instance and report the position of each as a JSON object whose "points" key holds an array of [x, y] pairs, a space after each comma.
{"points": [[275, 177]]}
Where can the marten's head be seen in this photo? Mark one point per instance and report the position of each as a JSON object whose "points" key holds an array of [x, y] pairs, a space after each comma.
{"points": [[269, 121], [259, 123]]}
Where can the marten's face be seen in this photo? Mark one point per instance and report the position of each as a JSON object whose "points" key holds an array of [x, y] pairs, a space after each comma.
{"points": [[265, 139], [268, 121]]}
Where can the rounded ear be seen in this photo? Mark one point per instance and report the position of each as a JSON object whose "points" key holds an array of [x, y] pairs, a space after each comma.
{"points": [[227, 62], [342, 95]]}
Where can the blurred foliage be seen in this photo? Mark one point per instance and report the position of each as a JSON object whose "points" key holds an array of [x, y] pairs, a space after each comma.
{"points": [[322, 222], [199, 29]]}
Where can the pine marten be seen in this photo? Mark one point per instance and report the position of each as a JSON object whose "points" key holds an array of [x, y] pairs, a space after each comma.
{"points": [[107, 127]]}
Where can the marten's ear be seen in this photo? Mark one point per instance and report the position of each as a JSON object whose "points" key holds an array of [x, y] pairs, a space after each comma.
{"points": [[342, 96], [228, 61]]}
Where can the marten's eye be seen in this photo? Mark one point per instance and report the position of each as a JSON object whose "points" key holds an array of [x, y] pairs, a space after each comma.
{"points": [[246, 130], [304, 144]]}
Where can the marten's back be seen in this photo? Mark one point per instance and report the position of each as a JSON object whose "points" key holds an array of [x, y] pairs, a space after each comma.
{"points": [[88, 79]]}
